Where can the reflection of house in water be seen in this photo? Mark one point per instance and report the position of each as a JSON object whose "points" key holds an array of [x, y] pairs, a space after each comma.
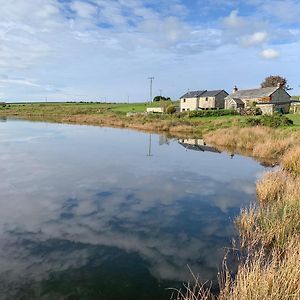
{"points": [[197, 145]]}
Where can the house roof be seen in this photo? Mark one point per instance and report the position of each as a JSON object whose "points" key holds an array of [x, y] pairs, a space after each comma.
{"points": [[206, 93], [253, 93], [237, 100], [193, 94], [213, 93]]}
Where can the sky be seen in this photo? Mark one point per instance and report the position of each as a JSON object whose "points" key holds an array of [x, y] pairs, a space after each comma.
{"points": [[105, 50]]}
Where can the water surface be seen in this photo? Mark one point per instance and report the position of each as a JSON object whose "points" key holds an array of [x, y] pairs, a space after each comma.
{"points": [[101, 213]]}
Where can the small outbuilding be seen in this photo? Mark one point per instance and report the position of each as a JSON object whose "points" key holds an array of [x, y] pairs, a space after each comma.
{"points": [[155, 110]]}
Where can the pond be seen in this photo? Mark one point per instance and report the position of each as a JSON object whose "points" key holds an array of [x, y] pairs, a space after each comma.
{"points": [[101, 213]]}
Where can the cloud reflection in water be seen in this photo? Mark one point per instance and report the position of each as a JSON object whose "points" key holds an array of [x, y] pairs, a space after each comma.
{"points": [[94, 188]]}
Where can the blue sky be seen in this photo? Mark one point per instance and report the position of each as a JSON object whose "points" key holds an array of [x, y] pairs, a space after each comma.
{"points": [[106, 49]]}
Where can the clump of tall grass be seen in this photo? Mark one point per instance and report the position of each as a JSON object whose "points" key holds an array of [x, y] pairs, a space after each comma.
{"points": [[262, 142], [291, 160], [270, 242], [277, 217], [263, 274], [195, 291], [266, 275]]}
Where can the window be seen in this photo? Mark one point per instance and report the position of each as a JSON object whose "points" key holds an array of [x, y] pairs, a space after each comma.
{"points": [[206, 99], [184, 100], [183, 109]]}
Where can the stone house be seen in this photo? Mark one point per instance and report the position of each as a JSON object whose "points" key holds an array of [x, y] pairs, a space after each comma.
{"points": [[269, 99], [196, 100]]}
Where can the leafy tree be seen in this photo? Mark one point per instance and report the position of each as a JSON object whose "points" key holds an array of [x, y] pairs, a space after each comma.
{"points": [[161, 98], [274, 80]]}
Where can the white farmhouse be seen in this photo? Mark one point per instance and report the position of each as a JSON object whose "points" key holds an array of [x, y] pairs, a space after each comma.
{"points": [[197, 100]]}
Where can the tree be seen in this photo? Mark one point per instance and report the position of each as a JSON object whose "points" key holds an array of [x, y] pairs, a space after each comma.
{"points": [[274, 80], [161, 98]]}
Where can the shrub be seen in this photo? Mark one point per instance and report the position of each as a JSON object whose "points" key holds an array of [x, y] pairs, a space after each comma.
{"points": [[211, 113], [250, 111], [273, 121], [171, 109]]}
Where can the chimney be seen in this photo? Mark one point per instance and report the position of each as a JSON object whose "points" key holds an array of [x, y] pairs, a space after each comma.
{"points": [[235, 89]]}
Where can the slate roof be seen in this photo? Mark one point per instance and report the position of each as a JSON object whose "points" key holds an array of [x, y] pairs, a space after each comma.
{"points": [[237, 100], [253, 93], [212, 93], [195, 94]]}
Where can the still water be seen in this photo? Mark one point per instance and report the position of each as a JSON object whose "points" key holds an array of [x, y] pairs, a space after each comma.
{"points": [[102, 213]]}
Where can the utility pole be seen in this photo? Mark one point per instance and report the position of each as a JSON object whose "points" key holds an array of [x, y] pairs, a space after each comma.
{"points": [[151, 85], [160, 94]]}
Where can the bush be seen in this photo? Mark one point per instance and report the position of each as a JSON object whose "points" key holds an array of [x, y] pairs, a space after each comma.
{"points": [[250, 111], [211, 113], [273, 121], [171, 109]]}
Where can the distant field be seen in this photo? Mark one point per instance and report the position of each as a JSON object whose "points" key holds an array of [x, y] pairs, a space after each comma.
{"points": [[80, 108]]}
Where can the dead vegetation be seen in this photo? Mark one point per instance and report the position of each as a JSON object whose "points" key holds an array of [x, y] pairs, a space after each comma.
{"points": [[269, 230], [275, 275], [260, 142], [269, 245]]}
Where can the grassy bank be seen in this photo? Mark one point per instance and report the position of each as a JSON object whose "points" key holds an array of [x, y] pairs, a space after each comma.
{"points": [[269, 243], [113, 114]]}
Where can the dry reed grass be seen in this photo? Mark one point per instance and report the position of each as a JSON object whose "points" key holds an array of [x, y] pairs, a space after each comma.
{"points": [[194, 291], [262, 142], [270, 237], [291, 160], [273, 276], [277, 218]]}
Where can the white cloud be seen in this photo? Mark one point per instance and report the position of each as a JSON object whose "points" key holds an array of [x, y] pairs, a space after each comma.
{"points": [[270, 53], [234, 21], [254, 39], [74, 45]]}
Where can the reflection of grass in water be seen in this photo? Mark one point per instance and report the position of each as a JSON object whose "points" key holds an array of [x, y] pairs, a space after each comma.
{"points": [[270, 232]]}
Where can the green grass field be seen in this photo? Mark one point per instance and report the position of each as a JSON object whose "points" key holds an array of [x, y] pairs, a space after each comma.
{"points": [[295, 118], [79, 108]]}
